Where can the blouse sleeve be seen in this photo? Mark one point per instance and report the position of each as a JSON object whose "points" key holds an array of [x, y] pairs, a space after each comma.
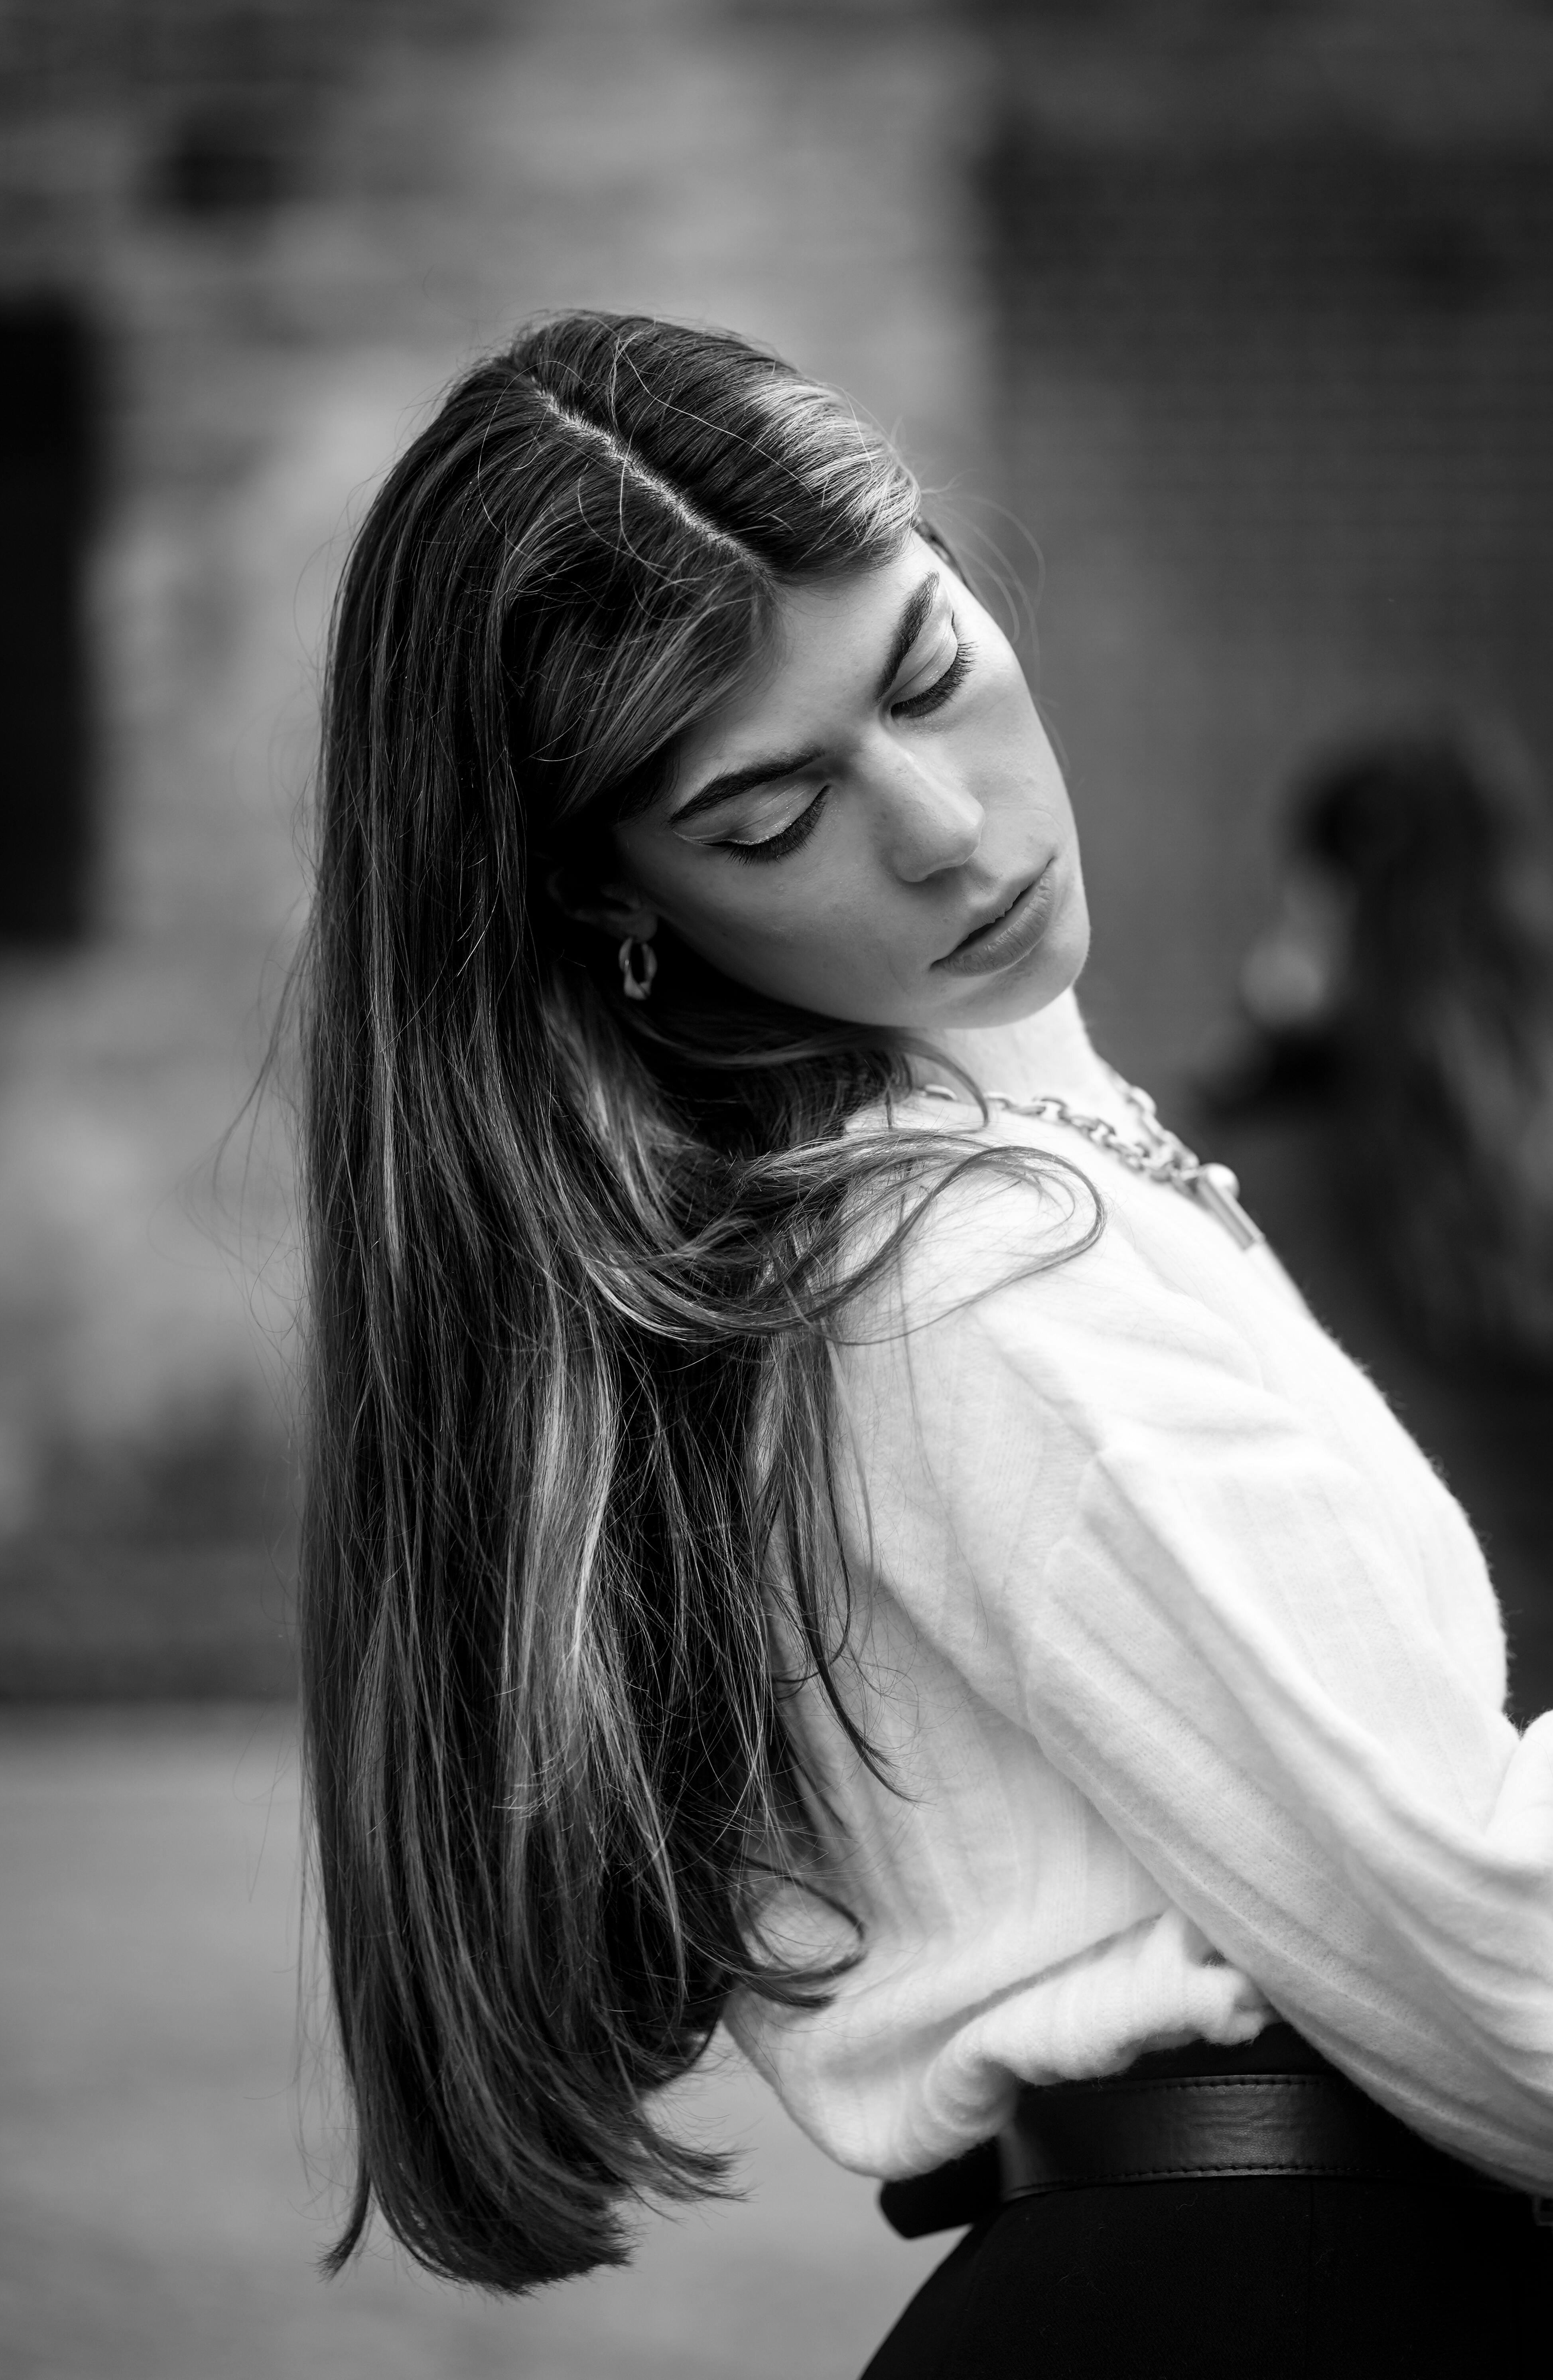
{"points": [[1087, 1499]]}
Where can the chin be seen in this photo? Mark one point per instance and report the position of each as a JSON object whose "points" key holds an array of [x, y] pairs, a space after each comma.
{"points": [[1054, 969]]}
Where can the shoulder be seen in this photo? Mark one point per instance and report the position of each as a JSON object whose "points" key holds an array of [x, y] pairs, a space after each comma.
{"points": [[1015, 1270]]}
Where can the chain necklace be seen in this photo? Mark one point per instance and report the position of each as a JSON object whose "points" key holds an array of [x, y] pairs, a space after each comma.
{"points": [[1162, 1158]]}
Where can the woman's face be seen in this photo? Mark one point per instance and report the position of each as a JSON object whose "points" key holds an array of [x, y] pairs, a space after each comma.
{"points": [[874, 826]]}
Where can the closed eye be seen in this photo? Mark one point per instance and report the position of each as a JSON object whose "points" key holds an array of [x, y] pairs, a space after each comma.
{"points": [[788, 838], [933, 698]]}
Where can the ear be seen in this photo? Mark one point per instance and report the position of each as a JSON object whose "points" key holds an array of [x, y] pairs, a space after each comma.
{"points": [[616, 908]]}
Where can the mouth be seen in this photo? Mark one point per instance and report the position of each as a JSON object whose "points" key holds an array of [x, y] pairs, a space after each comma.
{"points": [[1008, 934]]}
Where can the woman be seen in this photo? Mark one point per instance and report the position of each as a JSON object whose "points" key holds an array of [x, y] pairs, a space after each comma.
{"points": [[1407, 986], [790, 1539]]}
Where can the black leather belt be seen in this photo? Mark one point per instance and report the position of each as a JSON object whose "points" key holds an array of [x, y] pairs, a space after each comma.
{"points": [[1276, 2107]]}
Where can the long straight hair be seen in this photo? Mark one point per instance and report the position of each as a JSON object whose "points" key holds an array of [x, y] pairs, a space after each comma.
{"points": [[573, 1266]]}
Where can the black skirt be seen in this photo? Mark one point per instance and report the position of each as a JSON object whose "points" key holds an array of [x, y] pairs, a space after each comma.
{"points": [[1247, 2276]]}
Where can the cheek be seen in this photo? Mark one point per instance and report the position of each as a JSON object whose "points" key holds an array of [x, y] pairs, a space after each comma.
{"points": [[748, 912], [820, 936], [1013, 738]]}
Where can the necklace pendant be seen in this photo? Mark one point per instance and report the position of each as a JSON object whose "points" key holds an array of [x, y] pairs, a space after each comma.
{"points": [[1215, 1187]]}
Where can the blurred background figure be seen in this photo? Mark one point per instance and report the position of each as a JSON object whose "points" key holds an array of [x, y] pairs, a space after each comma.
{"points": [[1408, 984], [1388, 1099]]}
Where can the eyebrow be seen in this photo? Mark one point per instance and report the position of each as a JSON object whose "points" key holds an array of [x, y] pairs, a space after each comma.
{"points": [[777, 765]]}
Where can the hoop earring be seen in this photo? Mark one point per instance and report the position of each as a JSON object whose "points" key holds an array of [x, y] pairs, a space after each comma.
{"points": [[636, 977]]}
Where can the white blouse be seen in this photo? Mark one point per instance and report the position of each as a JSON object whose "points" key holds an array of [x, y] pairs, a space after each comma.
{"points": [[1189, 1681]]}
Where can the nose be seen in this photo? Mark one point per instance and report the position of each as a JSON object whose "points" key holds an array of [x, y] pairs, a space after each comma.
{"points": [[931, 822]]}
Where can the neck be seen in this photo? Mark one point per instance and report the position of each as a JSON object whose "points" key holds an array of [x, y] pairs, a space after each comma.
{"points": [[1047, 1054]]}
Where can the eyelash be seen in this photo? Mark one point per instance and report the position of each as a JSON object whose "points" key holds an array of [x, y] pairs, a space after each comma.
{"points": [[777, 846], [933, 698]]}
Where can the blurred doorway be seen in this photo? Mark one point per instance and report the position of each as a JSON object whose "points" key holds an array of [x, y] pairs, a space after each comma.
{"points": [[46, 456]]}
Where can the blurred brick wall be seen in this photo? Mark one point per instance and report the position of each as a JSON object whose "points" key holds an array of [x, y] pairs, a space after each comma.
{"points": [[1275, 338], [1246, 313], [283, 227]]}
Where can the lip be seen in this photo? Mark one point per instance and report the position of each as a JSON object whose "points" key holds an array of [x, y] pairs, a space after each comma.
{"points": [[1007, 937]]}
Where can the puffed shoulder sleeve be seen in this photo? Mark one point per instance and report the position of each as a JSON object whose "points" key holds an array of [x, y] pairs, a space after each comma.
{"points": [[1210, 1612]]}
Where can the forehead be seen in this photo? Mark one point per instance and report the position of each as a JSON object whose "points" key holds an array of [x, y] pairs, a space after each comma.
{"points": [[817, 671]]}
